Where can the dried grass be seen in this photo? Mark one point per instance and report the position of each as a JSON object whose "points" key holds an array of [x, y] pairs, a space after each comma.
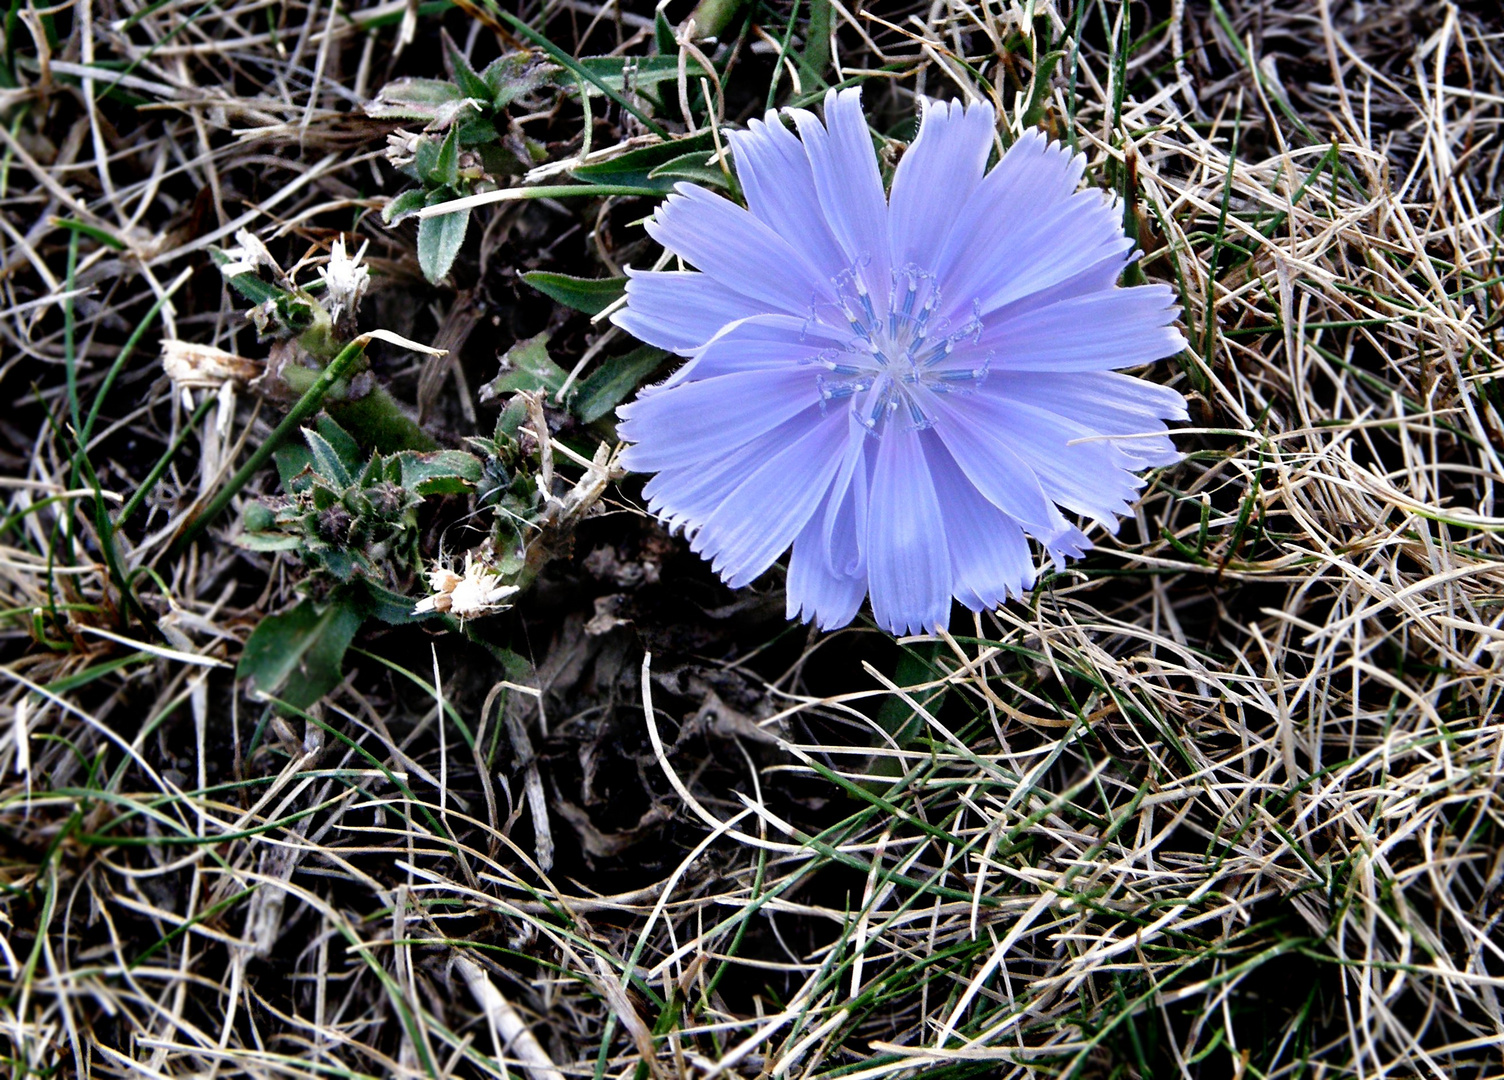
{"points": [[1223, 801]]}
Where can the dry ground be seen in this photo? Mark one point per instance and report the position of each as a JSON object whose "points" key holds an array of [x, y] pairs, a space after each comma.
{"points": [[1222, 800]]}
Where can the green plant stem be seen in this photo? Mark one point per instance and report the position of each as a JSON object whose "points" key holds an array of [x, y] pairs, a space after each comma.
{"points": [[310, 403]]}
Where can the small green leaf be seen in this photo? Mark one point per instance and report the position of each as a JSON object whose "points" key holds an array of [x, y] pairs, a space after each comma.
{"points": [[471, 84], [258, 517], [1039, 94], [294, 466], [344, 444], [614, 381], [298, 656], [404, 206], [390, 607], [635, 73], [526, 366], [515, 75], [445, 170], [632, 169], [326, 460], [590, 295], [477, 130], [248, 284], [415, 99], [439, 239], [509, 422], [442, 472], [425, 162], [257, 541], [693, 167], [663, 34]]}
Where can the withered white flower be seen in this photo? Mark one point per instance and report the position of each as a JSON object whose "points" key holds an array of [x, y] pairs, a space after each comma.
{"points": [[249, 255], [345, 279], [478, 591], [402, 147], [203, 367]]}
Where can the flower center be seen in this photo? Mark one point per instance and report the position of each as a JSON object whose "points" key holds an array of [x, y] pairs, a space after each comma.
{"points": [[893, 361]]}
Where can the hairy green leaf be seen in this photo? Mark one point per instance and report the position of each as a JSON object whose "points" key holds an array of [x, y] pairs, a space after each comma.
{"points": [[614, 381], [526, 366], [298, 655], [442, 472], [404, 206], [439, 239], [590, 295]]}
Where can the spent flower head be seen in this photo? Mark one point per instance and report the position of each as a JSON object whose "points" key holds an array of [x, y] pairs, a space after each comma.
{"points": [[345, 280], [247, 256], [901, 388]]}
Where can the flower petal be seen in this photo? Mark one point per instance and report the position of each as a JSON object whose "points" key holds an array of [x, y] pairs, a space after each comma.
{"points": [[738, 251], [1098, 332], [845, 520], [815, 593], [994, 468], [908, 564], [759, 520], [989, 555], [1091, 478], [849, 185], [936, 176], [762, 342], [1026, 230], [680, 310], [705, 418], [1075, 236], [1104, 401], [1031, 178], [686, 496], [775, 175]]}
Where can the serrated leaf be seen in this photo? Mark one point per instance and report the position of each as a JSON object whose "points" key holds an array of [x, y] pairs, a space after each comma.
{"points": [[415, 99], [441, 472], [439, 239], [526, 366], [590, 295], [614, 381], [298, 656], [633, 168], [326, 460], [404, 206]]}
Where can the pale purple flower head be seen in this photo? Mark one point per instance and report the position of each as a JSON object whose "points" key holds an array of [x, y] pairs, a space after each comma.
{"points": [[901, 388]]}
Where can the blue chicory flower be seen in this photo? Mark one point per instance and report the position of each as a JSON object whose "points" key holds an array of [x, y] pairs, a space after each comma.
{"points": [[901, 388]]}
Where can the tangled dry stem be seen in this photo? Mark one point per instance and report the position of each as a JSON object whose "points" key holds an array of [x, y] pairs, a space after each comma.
{"points": [[1228, 799]]}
